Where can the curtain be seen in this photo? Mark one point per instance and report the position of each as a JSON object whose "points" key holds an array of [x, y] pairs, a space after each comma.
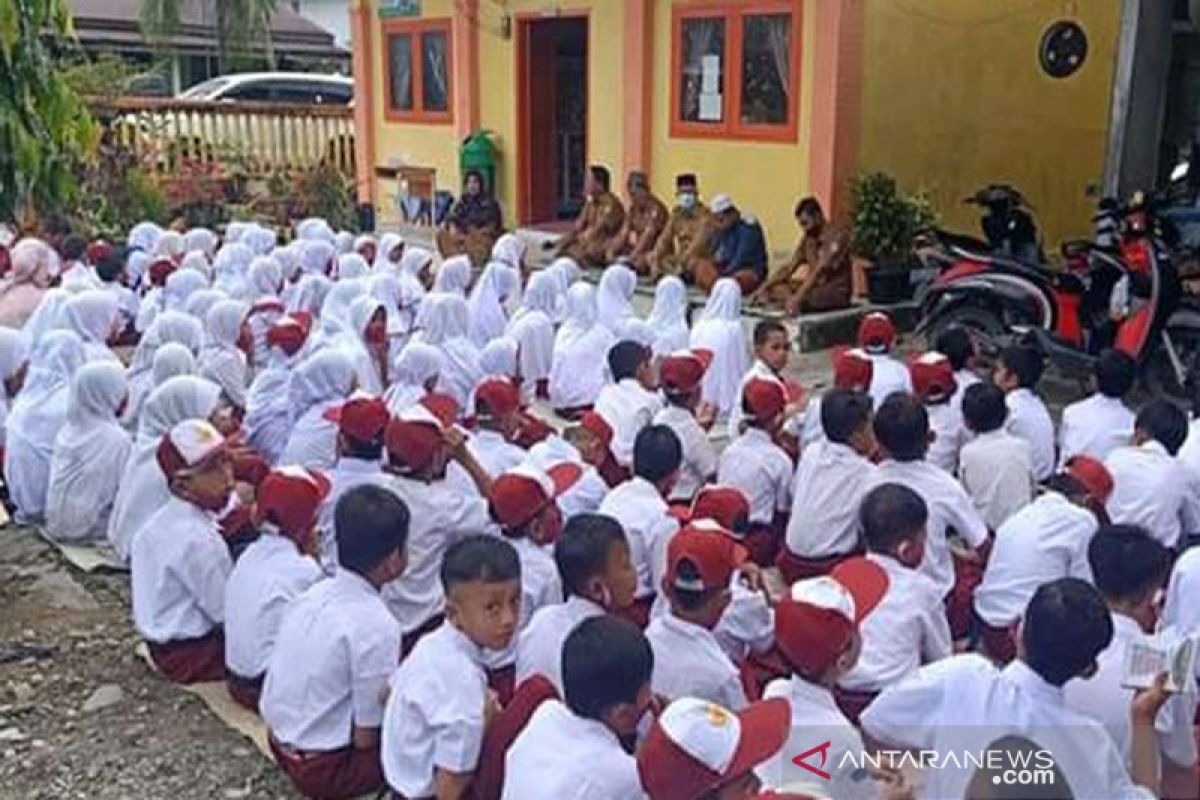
{"points": [[400, 56], [434, 46], [779, 40], [702, 36]]}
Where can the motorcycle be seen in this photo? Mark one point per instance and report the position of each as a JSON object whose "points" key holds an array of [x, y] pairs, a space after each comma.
{"points": [[1120, 291]]}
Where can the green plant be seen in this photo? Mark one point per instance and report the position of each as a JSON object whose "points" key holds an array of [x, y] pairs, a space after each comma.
{"points": [[886, 221], [238, 24], [323, 191], [118, 191]]}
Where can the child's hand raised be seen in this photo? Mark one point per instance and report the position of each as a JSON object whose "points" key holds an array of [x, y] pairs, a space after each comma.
{"points": [[456, 440]]}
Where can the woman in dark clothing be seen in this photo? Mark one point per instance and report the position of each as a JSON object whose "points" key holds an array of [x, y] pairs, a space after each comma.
{"points": [[474, 223]]}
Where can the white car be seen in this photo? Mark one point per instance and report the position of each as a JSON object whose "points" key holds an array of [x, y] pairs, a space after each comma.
{"points": [[301, 88]]}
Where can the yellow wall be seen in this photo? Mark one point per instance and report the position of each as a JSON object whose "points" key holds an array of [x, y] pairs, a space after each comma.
{"points": [[953, 98]]}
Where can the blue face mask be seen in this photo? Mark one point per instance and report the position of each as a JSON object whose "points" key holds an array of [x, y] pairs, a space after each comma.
{"points": [[686, 200]]}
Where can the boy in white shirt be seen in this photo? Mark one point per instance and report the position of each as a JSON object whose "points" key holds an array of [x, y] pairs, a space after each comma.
{"points": [[1152, 488], [681, 375], [908, 628], [598, 577], [273, 571], [688, 660], [1129, 568], [756, 465], [337, 647], [852, 372], [1017, 372], [1101, 423], [1046, 540], [630, 402], [877, 338], [440, 702], [955, 344], [772, 349], [580, 747], [178, 561], [995, 467], [933, 382], [497, 417]]}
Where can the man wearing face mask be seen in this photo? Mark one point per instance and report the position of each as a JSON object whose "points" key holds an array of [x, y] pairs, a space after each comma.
{"points": [[682, 241], [643, 224]]}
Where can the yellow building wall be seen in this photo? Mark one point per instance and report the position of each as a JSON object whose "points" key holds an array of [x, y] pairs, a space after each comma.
{"points": [[953, 98], [765, 179]]}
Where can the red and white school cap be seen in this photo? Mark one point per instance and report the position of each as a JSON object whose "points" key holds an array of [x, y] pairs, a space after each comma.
{"points": [[290, 497], [876, 333], [363, 417], [412, 437], [933, 377], [764, 398], [598, 426], [496, 397], [191, 444], [711, 550], [696, 746], [522, 492], [289, 333], [852, 370], [683, 371], [725, 505]]}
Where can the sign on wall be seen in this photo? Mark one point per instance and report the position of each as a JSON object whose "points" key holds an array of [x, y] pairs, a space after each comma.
{"points": [[399, 8]]}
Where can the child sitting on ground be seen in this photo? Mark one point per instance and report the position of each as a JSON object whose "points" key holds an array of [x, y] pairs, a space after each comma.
{"points": [[933, 382], [995, 467], [852, 372], [955, 343], [1097, 425], [361, 422], [877, 338], [630, 402], [681, 375], [497, 419], [1017, 373], [771, 352]]}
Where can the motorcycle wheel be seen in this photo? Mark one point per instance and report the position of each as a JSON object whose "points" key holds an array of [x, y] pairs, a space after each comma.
{"points": [[986, 328], [1158, 373]]}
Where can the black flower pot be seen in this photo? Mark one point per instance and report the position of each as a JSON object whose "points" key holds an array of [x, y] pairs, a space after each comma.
{"points": [[888, 284]]}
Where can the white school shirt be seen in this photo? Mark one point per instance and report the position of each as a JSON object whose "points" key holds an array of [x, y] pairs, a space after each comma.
{"points": [[347, 474], [1180, 610], [540, 584], [643, 514], [699, 456], [434, 714], [561, 756], [887, 377], [761, 470], [949, 507], [758, 369], [1029, 419], [267, 577], [996, 469], [811, 430], [494, 453], [1152, 489], [964, 379], [1104, 699], [1189, 454], [907, 629], [816, 718], [830, 483], [439, 515], [1094, 427], [336, 649], [689, 662], [1045, 541], [540, 644], [627, 407], [950, 434], [964, 703], [747, 625], [179, 564]]}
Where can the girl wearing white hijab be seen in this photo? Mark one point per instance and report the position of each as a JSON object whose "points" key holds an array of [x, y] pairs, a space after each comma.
{"points": [[367, 246], [352, 265], [417, 264], [720, 331], [579, 364], [268, 420], [196, 260], [143, 236], [401, 298], [14, 356], [668, 318], [170, 245], [416, 370], [390, 252], [265, 286], [510, 249], [171, 326], [486, 305], [143, 488], [259, 239], [344, 242], [93, 315], [534, 332], [308, 295], [314, 228], [565, 272], [170, 361], [614, 298], [454, 276], [444, 325], [221, 360], [499, 358], [335, 312], [541, 295], [200, 302], [37, 416], [50, 314], [365, 343], [90, 454], [230, 267], [322, 383], [317, 257], [201, 239], [180, 285]]}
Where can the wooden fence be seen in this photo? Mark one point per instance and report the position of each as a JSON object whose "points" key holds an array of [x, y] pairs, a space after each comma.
{"points": [[262, 138]]}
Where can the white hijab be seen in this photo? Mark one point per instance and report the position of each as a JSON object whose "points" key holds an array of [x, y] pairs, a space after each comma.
{"points": [[542, 294], [534, 330], [578, 368], [309, 294], [180, 285], [719, 330], [496, 285], [200, 302], [668, 318], [50, 314], [387, 243], [444, 325], [259, 239], [354, 343], [614, 297], [171, 360], [509, 249], [90, 454], [231, 266], [413, 368], [144, 236], [352, 265], [316, 255], [499, 358], [565, 272], [314, 228], [335, 311], [265, 279], [201, 239], [14, 352], [454, 276], [170, 326], [323, 381], [92, 315], [220, 360], [268, 420], [143, 487], [197, 261]]}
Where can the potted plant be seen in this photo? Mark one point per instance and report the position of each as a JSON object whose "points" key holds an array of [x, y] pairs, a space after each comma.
{"points": [[885, 224]]}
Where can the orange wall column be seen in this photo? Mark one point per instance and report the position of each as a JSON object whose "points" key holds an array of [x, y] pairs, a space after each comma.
{"points": [[465, 54], [637, 78], [837, 90], [363, 64]]}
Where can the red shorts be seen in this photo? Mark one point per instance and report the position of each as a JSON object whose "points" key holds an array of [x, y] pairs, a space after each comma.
{"points": [[245, 691], [960, 601], [762, 543], [330, 775], [191, 660]]}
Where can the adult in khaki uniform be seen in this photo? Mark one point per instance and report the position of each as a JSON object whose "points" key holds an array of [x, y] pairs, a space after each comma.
{"points": [[474, 223], [643, 224], [818, 276], [684, 239], [598, 224]]}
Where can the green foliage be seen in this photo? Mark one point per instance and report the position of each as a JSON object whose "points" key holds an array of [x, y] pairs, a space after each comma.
{"points": [[238, 24], [885, 221], [323, 191], [103, 78], [119, 191], [45, 129]]}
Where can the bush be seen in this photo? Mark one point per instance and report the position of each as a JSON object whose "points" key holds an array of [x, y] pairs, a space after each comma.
{"points": [[117, 191], [323, 191], [885, 221]]}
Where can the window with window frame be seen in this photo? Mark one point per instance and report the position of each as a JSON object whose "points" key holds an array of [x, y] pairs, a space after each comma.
{"points": [[417, 71], [735, 70]]}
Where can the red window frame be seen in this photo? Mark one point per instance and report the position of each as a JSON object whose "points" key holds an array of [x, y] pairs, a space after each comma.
{"points": [[731, 126], [416, 29]]}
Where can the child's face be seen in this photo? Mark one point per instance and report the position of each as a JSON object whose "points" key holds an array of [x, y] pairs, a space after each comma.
{"points": [[1003, 377], [486, 612], [620, 577], [774, 351], [547, 525], [647, 375], [210, 487]]}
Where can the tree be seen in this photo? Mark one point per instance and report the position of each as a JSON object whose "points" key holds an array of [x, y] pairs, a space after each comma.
{"points": [[45, 129], [236, 23]]}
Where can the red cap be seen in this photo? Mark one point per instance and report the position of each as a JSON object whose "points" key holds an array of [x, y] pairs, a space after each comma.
{"points": [[711, 549], [520, 494], [683, 371], [695, 746], [97, 251], [190, 446], [876, 333], [413, 437], [724, 505], [499, 397], [160, 270], [361, 418], [815, 619], [764, 399], [290, 498], [596, 425], [852, 370], [1095, 477], [933, 378], [289, 333]]}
